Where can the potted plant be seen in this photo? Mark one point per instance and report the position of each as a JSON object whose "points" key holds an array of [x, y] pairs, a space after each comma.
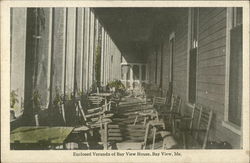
{"points": [[36, 105], [13, 103], [57, 111], [117, 87], [36, 100]]}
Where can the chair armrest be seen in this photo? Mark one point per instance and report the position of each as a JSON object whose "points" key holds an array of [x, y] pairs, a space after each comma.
{"points": [[93, 110], [94, 114]]}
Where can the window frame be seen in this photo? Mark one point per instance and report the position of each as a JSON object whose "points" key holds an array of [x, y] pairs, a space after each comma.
{"points": [[189, 48], [226, 123]]}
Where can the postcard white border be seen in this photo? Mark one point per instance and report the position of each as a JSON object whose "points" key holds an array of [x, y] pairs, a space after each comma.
{"points": [[240, 155]]}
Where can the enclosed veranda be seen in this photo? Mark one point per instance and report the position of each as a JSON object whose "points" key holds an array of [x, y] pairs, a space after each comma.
{"points": [[126, 78]]}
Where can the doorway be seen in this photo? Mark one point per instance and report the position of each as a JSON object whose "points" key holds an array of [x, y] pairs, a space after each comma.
{"points": [[171, 44]]}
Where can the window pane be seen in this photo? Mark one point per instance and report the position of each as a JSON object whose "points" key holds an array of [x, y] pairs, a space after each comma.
{"points": [[239, 16], [194, 27], [136, 72], [192, 75], [235, 80], [128, 73], [143, 72]]}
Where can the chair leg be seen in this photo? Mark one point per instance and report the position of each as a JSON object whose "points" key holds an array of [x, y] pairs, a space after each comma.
{"points": [[105, 136], [146, 137], [153, 145], [184, 140], [86, 139], [173, 126]]}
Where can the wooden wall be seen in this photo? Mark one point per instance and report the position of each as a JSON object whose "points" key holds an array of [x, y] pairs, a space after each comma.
{"points": [[165, 66], [210, 67], [211, 70], [180, 58]]}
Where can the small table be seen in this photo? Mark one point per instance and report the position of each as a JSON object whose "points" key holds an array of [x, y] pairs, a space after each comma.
{"points": [[28, 136]]}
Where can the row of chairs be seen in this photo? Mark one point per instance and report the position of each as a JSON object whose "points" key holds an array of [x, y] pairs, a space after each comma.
{"points": [[86, 114], [96, 114], [152, 125], [193, 128], [158, 117]]}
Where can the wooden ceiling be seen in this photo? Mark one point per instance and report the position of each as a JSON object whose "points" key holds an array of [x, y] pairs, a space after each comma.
{"points": [[133, 29]]}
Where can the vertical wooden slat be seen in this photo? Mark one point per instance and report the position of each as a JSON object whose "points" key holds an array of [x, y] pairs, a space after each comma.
{"points": [[18, 51], [50, 56], [87, 21], [75, 54], [102, 59], [81, 14], [91, 49], [65, 51], [105, 59], [83, 50]]}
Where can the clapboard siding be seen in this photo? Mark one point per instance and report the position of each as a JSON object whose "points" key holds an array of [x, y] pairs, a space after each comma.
{"points": [[216, 61], [213, 53], [214, 88], [209, 19], [214, 96], [207, 11], [180, 58], [213, 36], [211, 68], [211, 71], [166, 63]]}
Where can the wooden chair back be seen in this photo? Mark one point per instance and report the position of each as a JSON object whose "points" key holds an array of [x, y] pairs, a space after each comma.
{"points": [[174, 111], [195, 117], [204, 126], [81, 110], [200, 124], [89, 113], [158, 102], [95, 100], [175, 104], [126, 137]]}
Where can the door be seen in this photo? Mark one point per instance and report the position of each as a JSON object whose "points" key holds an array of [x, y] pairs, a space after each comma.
{"points": [[171, 42]]}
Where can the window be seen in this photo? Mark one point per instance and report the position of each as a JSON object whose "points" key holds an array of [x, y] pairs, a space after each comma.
{"points": [[125, 72], [143, 72], [233, 91], [136, 72], [128, 72], [193, 45], [172, 45]]}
